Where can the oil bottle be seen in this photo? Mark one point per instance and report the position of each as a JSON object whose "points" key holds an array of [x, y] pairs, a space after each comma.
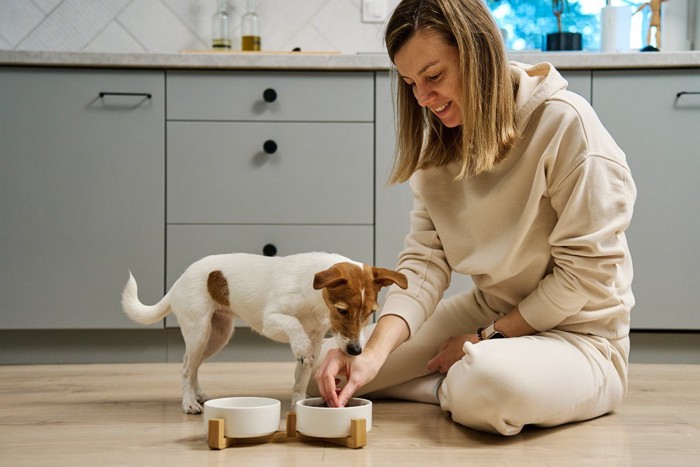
{"points": [[250, 32], [221, 27]]}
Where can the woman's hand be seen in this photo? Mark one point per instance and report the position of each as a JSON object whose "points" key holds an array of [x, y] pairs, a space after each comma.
{"points": [[451, 352], [390, 331], [358, 371]]}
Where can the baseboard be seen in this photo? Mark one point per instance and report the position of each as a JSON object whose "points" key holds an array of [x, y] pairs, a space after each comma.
{"points": [[166, 345], [665, 347], [126, 346]]}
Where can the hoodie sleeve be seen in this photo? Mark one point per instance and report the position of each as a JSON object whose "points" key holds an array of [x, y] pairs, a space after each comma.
{"points": [[593, 195], [424, 264]]}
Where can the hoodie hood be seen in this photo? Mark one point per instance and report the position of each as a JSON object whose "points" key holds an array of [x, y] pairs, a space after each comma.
{"points": [[536, 84]]}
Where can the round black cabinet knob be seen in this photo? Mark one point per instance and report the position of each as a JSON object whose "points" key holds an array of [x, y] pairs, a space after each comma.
{"points": [[270, 95], [269, 250], [270, 147]]}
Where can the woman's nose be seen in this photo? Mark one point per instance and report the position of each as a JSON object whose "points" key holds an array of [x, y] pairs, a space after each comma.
{"points": [[422, 95]]}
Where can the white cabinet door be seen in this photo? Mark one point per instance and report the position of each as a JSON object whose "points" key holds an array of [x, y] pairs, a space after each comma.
{"points": [[82, 195], [655, 118]]}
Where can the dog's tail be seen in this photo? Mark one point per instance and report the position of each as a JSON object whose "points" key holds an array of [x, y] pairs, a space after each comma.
{"points": [[137, 311]]}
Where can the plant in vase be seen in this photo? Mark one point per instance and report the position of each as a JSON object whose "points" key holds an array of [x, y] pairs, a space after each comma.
{"points": [[562, 40]]}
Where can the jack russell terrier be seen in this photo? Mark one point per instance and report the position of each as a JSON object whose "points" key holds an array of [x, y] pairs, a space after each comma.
{"points": [[294, 299]]}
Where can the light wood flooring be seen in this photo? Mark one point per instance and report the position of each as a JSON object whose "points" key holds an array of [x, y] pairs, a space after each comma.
{"points": [[129, 414]]}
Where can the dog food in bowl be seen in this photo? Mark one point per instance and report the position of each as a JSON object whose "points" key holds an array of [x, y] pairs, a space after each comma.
{"points": [[244, 417], [315, 418]]}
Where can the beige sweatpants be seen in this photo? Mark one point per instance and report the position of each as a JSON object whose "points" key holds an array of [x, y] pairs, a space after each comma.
{"points": [[546, 379]]}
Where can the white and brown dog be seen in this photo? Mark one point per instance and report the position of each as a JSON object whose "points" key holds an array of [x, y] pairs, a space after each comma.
{"points": [[294, 299]]}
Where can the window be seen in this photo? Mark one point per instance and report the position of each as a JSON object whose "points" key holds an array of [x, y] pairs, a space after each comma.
{"points": [[526, 22]]}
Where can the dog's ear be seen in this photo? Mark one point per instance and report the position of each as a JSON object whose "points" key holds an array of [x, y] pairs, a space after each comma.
{"points": [[385, 277], [331, 277]]}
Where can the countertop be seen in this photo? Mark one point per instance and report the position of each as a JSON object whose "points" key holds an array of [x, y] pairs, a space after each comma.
{"points": [[329, 61]]}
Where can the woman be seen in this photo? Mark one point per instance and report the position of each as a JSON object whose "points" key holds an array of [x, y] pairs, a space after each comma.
{"points": [[518, 184]]}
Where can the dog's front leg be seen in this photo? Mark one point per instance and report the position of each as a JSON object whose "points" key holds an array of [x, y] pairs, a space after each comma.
{"points": [[302, 374], [283, 327]]}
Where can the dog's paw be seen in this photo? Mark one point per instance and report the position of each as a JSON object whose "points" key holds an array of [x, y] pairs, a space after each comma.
{"points": [[303, 351], [191, 407], [202, 398]]}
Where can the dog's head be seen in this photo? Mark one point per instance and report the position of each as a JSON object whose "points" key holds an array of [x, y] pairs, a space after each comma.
{"points": [[350, 292]]}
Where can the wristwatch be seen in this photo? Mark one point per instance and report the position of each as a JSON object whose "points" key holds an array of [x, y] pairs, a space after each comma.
{"points": [[489, 332]]}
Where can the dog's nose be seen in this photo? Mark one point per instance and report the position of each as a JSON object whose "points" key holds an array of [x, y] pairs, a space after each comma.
{"points": [[354, 349]]}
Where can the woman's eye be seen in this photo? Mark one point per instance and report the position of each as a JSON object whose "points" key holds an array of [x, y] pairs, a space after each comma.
{"points": [[435, 77], [342, 311]]}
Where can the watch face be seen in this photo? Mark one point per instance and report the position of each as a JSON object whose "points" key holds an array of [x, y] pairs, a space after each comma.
{"points": [[497, 335]]}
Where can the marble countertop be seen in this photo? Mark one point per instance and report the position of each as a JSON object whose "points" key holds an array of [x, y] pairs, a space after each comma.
{"points": [[328, 60]]}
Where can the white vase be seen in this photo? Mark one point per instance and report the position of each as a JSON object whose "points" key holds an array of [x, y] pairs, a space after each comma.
{"points": [[615, 22]]}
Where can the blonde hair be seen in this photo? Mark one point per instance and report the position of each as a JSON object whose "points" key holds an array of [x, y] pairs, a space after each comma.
{"points": [[488, 130]]}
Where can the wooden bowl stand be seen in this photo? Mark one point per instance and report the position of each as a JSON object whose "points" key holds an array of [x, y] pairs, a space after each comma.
{"points": [[217, 440]]}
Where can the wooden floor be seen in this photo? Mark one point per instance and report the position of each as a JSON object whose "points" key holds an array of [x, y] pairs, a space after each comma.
{"points": [[130, 414]]}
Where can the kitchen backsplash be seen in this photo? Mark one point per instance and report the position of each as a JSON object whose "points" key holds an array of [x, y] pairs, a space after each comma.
{"points": [[159, 26]]}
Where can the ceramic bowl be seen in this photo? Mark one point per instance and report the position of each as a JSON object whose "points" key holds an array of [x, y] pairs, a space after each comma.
{"points": [[317, 420], [244, 417]]}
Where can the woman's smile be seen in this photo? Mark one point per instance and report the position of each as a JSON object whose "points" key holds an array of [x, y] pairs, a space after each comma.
{"points": [[437, 110]]}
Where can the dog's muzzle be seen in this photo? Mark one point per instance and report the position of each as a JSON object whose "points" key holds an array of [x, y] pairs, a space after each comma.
{"points": [[354, 349]]}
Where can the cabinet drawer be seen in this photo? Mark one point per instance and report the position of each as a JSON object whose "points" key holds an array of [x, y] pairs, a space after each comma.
{"points": [[320, 173], [188, 243], [216, 95]]}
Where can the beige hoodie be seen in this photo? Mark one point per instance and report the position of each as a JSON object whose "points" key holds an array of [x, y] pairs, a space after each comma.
{"points": [[544, 230]]}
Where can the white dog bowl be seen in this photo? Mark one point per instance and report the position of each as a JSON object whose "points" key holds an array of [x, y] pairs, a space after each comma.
{"points": [[317, 420], [244, 417]]}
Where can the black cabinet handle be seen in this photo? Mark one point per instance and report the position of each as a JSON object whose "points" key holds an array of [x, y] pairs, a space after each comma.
{"points": [[270, 147], [147, 95], [269, 250], [270, 95], [682, 93]]}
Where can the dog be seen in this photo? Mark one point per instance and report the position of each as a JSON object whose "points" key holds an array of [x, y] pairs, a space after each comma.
{"points": [[295, 299]]}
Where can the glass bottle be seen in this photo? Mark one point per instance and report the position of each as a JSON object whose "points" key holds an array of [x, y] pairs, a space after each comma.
{"points": [[250, 33], [221, 27]]}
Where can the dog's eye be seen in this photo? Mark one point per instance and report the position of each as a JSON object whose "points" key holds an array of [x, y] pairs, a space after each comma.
{"points": [[342, 311]]}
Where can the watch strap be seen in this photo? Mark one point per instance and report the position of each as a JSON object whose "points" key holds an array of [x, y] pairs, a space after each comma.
{"points": [[490, 332]]}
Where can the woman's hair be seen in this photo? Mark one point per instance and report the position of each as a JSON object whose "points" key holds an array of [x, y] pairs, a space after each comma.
{"points": [[488, 129]]}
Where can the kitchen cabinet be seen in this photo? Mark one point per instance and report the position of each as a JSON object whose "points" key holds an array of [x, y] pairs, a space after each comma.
{"points": [[269, 163], [82, 192], [83, 195], [654, 115], [394, 202]]}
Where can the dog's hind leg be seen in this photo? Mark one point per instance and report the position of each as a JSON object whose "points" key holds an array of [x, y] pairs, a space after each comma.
{"points": [[221, 331], [199, 348], [195, 347]]}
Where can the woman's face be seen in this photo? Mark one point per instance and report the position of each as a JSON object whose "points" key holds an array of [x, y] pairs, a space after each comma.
{"points": [[431, 67]]}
